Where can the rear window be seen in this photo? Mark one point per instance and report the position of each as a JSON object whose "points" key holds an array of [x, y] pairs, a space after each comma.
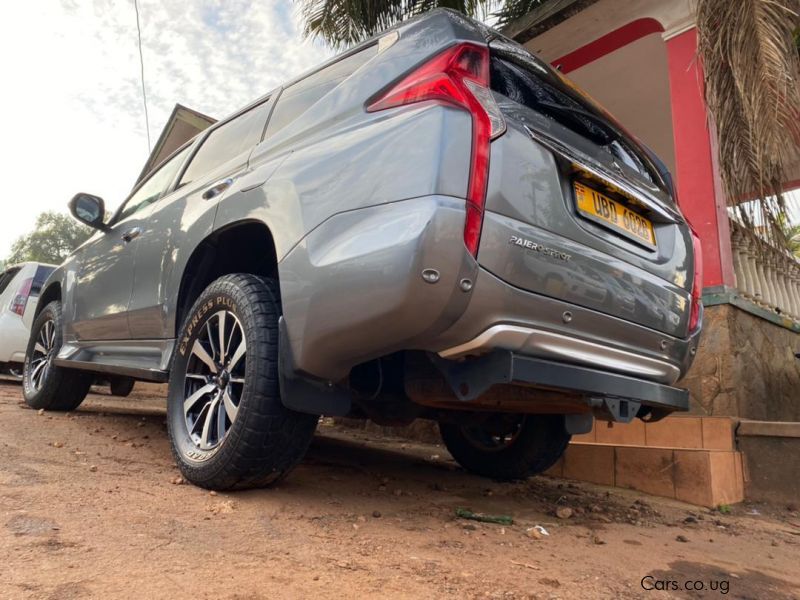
{"points": [[6, 277], [548, 95], [42, 273], [228, 141], [299, 97]]}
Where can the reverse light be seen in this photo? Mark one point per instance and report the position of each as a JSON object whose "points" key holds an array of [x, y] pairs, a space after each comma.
{"points": [[20, 300], [458, 76], [697, 283]]}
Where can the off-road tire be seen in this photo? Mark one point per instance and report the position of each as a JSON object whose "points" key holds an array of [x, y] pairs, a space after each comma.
{"points": [[121, 386], [61, 389], [540, 442], [266, 440]]}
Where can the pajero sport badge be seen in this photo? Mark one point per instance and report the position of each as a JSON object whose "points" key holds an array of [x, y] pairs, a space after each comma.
{"points": [[531, 245]]}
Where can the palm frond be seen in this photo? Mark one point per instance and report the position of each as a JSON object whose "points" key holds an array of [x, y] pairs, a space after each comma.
{"points": [[342, 23], [511, 10], [752, 89]]}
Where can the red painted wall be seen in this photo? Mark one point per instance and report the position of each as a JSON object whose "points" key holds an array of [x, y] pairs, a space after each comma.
{"points": [[699, 193], [606, 44]]}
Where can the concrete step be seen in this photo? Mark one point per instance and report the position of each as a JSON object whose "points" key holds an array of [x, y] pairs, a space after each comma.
{"points": [[677, 431], [698, 476]]}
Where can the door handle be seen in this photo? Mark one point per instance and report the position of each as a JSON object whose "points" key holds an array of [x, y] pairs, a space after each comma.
{"points": [[131, 234], [217, 188]]}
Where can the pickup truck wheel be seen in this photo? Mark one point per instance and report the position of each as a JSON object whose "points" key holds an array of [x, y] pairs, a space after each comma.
{"points": [[121, 386], [507, 447], [227, 424], [45, 385]]}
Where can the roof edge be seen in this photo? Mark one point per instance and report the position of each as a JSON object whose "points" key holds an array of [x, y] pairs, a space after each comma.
{"points": [[544, 17]]}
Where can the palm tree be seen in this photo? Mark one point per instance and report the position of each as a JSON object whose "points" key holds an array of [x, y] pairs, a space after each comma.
{"points": [[341, 23], [792, 235], [752, 88], [750, 51]]}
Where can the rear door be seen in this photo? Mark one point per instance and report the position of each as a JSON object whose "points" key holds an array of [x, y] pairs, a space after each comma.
{"points": [[104, 277], [185, 215], [576, 208]]}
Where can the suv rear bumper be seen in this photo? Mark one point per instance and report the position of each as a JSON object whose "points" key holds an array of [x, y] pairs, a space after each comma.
{"points": [[614, 396], [502, 317], [531, 341]]}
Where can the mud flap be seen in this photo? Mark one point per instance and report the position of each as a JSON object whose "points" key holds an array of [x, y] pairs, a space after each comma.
{"points": [[303, 394]]}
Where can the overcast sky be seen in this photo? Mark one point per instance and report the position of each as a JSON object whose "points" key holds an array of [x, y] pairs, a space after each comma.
{"points": [[71, 94]]}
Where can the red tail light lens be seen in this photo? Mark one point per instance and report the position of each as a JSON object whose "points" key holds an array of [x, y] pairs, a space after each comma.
{"points": [[459, 76], [697, 284], [20, 301]]}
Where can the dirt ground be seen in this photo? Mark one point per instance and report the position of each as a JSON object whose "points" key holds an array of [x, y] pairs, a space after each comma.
{"points": [[92, 506]]}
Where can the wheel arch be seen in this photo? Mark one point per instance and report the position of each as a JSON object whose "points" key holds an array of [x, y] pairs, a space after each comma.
{"points": [[50, 293], [245, 246]]}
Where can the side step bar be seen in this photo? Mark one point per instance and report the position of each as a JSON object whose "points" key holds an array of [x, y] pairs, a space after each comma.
{"points": [[144, 374], [147, 360]]}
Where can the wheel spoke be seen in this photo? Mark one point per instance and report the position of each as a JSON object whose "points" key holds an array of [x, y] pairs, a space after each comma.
{"points": [[39, 348], [196, 376], [51, 335], [37, 374], [203, 355], [38, 369], [192, 400], [230, 407], [221, 325], [208, 421], [220, 423], [210, 335], [43, 337], [237, 356], [200, 418], [229, 343]]}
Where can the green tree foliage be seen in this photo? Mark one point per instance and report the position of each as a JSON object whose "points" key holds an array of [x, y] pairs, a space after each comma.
{"points": [[54, 237], [792, 233], [342, 24]]}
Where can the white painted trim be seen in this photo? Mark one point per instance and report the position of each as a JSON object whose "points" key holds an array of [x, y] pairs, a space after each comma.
{"points": [[680, 27]]}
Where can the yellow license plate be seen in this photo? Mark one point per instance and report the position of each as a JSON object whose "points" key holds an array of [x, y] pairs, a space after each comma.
{"points": [[610, 213]]}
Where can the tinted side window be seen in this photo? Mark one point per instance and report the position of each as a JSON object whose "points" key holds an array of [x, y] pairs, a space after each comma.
{"points": [[297, 98], [228, 141], [5, 278], [154, 187]]}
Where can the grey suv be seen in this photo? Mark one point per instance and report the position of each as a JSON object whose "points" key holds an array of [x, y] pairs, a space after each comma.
{"points": [[434, 224]]}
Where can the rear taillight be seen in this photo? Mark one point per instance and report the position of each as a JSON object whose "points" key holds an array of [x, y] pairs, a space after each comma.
{"points": [[20, 300], [459, 76], [697, 284]]}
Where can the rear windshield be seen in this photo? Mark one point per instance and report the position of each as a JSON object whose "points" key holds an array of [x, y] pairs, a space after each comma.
{"points": [[547, 94], [42, 273], [6, 277]]}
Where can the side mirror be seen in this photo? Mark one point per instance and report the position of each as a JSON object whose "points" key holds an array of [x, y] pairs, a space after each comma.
{"points": [[89, 209]]}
